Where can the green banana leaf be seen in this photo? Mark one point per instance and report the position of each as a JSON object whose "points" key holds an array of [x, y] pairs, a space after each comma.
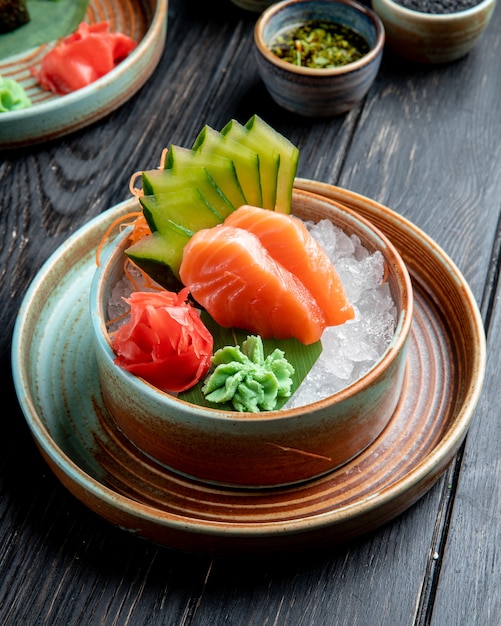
{"points": [[49, 21]]}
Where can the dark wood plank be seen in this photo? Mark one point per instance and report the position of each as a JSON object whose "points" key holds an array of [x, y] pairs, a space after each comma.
{"points": [[353, 585], [468, 589], [428, 147]]}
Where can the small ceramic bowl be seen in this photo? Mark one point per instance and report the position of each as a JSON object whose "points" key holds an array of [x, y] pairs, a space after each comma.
{"points": [[315, 92], [432, 37], [271, 448]]}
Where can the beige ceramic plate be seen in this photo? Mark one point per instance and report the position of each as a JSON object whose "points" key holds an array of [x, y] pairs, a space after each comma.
{"points": [[52, 116], [56, 381]]}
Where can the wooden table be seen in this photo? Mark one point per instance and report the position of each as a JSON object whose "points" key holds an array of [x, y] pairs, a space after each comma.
{"points": [[426, 142]]}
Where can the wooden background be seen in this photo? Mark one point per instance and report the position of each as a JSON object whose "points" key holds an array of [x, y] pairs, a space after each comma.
{"points": [[427, 143]]}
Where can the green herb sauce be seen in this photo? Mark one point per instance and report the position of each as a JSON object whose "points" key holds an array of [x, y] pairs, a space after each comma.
{"points": [[320, 45]]}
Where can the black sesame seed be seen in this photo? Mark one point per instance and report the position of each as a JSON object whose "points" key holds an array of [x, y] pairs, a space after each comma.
{"points": [[438, 6]]}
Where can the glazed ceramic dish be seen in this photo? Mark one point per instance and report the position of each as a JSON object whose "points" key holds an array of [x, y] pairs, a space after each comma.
{"points": [[52, 116], [272, 448], [59, 392], [430, 37], [316, 92]]}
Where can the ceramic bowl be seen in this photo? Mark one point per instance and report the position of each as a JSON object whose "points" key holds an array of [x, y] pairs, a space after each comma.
{"points": [[430, 37], [316, 92], [270, 448]]}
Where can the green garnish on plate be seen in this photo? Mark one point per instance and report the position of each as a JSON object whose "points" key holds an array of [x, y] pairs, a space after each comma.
{"points": [[12, 96]]}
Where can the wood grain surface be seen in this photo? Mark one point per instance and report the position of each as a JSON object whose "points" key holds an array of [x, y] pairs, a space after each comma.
{"points": [[426, 142]]}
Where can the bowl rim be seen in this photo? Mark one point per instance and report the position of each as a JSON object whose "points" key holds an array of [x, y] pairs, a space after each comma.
{"points": [[367, 59], [423, 16], [390, 355]]}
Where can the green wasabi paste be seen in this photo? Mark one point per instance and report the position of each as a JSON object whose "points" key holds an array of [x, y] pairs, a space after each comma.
{"points": [[247, 380], [12, 96]]}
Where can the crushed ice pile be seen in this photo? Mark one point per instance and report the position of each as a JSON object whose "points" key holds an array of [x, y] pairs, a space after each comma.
{"points": [[352, 349]]}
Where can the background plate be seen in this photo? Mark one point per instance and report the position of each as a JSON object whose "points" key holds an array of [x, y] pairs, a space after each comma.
{"points": [[57, 386], [52, 116]]}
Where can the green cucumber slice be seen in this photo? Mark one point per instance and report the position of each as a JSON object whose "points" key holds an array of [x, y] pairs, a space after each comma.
{"points": [[289, 157], [246, 161], [187, 209], [162, 182], [160, 256], [269, 159], [221, 170]]}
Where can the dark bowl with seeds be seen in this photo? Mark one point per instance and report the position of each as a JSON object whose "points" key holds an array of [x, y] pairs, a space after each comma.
{"points": [[433, 31], [318, 58]]}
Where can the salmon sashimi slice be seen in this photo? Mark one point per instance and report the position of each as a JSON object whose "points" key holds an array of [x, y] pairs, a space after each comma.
{"points": [[229, 273], [289, 242]]}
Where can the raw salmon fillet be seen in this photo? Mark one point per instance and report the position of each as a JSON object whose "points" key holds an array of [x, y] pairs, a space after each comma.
{"points": [[288, 241], [231, 274]]}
